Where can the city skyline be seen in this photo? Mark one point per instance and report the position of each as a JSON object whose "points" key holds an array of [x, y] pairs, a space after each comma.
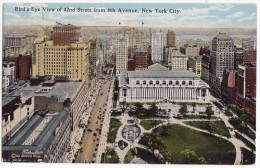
{"points": [[191, 15]]}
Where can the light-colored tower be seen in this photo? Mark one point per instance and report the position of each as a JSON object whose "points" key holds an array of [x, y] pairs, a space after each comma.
{"points": [[222, 57], [121, 53], [158, 44]]}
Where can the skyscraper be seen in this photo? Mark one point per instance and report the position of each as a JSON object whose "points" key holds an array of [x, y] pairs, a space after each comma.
{"points": [[158, 44], [121, 53], [64, 34], [69, 59], [171, 39], [222, 57]]}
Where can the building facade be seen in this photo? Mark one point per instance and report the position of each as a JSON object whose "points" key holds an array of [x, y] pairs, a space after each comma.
{"points": [[195, 64], [192, 50], [158, 45], [9, 74], [171, 38], [249, 57], [52, 60], [160, 84], [141, 59], [222, 57], [44, 138], [121, 53], [205, 68], [63, 34], [238, 57], [178, 61]]}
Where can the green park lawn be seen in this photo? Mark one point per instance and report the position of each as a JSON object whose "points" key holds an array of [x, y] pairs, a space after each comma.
{"points": [[148, 124], [143, 154], [215, 150], [114, 126], [110, 156], [220, 127]]}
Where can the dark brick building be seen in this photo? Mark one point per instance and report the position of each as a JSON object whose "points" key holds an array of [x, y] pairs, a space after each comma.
{"points": [[64, 34], [250, 57]]}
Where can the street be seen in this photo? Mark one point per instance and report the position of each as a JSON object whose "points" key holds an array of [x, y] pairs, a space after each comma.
{"points": [[91, 137]]}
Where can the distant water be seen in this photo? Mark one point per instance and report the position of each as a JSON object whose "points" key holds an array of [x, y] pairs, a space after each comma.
{"points": [[209, 37]]}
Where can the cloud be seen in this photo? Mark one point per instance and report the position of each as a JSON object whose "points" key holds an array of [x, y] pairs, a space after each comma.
{"points": [[11, 15], [221, 7], [236, 15]]}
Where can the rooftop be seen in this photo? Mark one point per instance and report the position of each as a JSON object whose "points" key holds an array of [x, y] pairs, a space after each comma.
{"points": [[223, 36], [60, 25], [43, 140], [156, 71]]}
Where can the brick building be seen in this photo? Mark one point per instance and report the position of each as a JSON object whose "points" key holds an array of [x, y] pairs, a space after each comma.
{"points": [[250, 57], [62, 34]]}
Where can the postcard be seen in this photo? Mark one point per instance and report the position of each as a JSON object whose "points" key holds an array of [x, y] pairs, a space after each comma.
{"points": [[129, 83]]}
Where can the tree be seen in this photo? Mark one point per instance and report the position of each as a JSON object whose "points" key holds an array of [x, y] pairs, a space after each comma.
{"points": [[190, 156], [153, 109], [167, 156], [193, 105], [211, 127], [139, 109], [124, 106], [153, 141], [209, 112], [202, 160], [183, 110], [245, 116]]}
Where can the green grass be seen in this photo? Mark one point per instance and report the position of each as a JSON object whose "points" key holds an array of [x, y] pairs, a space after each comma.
{"points": [[221, 128], [248, 157], [243, 129], [148, 124], [114, 125], [247, 143], [110, 156], [197, 117], [143, 154], [215, 150], [129, 156]]}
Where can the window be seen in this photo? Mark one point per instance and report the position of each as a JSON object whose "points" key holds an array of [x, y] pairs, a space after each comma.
{"points": [[164, 82], [170, 82], [177, 82], [203, 93], [150, 82], [190, 82], [144, 82], [157, 82], [183, 83], [137, 82]]}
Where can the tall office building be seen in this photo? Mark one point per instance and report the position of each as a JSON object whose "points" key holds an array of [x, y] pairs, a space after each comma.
{"points": [[222, 57], [171, 37], [158, 44], [121, 53], [69, 60], [64, 34]]}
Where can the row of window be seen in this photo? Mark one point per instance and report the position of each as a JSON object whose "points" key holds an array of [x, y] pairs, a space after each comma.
{"points": [[163, 82]]}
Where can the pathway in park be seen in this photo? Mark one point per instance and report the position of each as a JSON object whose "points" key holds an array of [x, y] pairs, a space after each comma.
{"points": [[238, 144]]}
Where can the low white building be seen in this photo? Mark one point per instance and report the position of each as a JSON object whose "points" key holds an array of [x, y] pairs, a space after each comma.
{"points": [[160, 84]]}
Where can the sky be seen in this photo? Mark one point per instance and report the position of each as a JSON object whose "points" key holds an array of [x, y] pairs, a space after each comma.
{"points": [[191, 15]]}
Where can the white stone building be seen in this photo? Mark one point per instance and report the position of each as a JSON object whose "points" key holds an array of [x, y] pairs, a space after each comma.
{"points": [[158, 44], [179, 61], [160, 84], [121, 53]]}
